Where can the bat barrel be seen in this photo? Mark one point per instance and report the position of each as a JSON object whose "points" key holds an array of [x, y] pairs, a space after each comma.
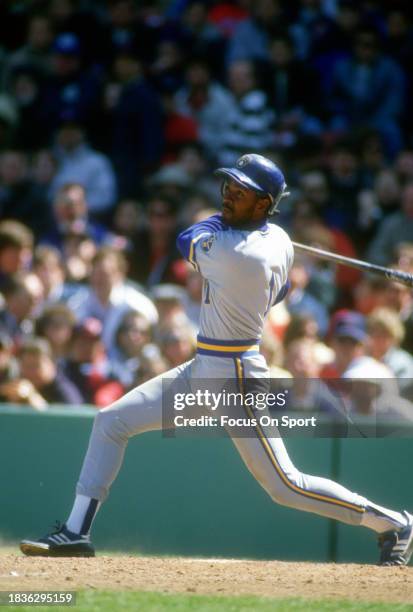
{"points": [[395, 275]]}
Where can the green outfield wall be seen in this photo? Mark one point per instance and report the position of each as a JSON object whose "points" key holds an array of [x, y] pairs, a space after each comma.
{"points": [[191, 495]]}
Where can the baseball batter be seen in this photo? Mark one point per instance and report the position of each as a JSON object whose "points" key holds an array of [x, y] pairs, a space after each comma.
{"points": [[244, 261]]}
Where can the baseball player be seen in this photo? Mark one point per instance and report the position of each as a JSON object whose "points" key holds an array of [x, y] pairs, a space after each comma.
{"points": [[244, 261]]}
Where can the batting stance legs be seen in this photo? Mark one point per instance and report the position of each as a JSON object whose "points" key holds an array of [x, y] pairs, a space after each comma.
{"points": [[266, 458]]}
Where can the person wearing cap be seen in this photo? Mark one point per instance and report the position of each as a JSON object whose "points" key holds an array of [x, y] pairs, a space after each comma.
{"points": [[348, 338], [373, 392], [71, 90], [244, 261]]}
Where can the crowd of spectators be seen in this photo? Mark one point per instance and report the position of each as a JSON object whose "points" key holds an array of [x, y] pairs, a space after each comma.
{"points": [[113, 116]]}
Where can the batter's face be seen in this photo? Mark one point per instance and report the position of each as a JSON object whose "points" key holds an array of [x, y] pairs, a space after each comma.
{"points": [[241, 205]]}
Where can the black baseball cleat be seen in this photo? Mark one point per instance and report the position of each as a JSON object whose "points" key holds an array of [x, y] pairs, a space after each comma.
{"points": [[397, 546], [59, 543]]}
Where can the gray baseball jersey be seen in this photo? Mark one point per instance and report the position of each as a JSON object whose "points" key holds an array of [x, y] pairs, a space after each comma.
{"points": [[245, 272]]}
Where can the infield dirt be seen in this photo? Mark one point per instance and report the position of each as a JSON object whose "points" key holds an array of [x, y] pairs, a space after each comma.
{"points": [[209, 576]]}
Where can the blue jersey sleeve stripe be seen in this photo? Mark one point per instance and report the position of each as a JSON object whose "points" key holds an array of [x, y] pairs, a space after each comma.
{"points": [[270, 299], [282, 293], [185, 241]]}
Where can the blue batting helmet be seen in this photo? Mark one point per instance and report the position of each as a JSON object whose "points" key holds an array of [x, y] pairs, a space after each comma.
{"points": [[260, 174]]}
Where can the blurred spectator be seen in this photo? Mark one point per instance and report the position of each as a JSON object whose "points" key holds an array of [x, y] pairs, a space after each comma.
{"points": [[20, 391], [312, 30], [393, 230], [35, 53], [25, 85], [294, 91], [271, 348], [16, 249], [404, 166], [203, 36], [78, 252], [250, 123], [398, 298], [152, 364], [133, 123], [37, 366], [372, 393], [226, 16], [48, 266], [207, 102], [132, 338], [307, 391], [169, 301], [70, 208], [250, 40], [301, 359], [127, 220], [109, 295], [177, 343], [9, 118], [18, 199], [344, 185], [71, 91], [78, 162], [369, 88], [180, 129], [55, 324], [8, 363], [305, 326], [42, 171], [348, 339], [125, 28], [171, 181], [88, 367], [300, 301], [192, 159], [399, 36], [388, 191], [154, 258], [337, 40], [19, 301], [168, 65], [386, 333]]}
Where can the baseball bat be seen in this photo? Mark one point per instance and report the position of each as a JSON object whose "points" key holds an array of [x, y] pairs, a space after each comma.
{"points": [[391, 274]]}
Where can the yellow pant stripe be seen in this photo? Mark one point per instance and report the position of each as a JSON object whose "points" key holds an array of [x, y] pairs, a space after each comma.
{"points": [[271, 455]]}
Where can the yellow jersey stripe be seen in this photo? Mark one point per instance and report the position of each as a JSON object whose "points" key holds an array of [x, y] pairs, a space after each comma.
{"points": [[227, 349]]}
